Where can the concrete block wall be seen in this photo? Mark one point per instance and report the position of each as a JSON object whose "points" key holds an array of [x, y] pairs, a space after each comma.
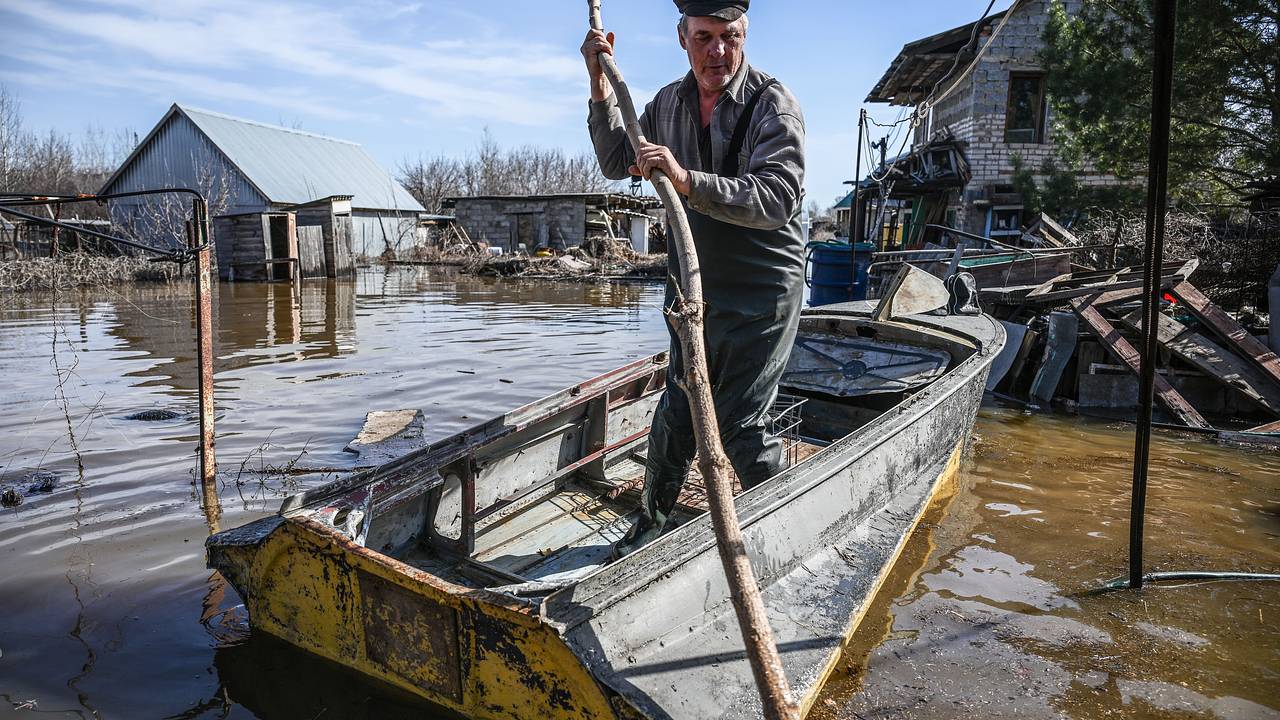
{"points": [[490, 220]]}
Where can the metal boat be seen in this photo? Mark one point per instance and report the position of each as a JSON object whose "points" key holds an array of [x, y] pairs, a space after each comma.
{"points": [[474, 572]]}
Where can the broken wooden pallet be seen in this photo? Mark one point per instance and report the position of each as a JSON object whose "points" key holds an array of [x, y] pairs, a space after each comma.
{"points": [[1225, 326], [1079, 284], [1214, 360], [1083, 284], [1118, 346]]}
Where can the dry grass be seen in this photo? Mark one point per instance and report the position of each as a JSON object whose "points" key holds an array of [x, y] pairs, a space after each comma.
{"points": [[75, 270]]}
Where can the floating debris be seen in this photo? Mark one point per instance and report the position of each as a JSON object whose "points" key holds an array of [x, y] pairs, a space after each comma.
{"points": [[387, 435], [154, 415], [42, 481], [10, 497]]}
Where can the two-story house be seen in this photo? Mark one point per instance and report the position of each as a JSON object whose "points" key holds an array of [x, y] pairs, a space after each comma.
{"points": [[977, 117]]}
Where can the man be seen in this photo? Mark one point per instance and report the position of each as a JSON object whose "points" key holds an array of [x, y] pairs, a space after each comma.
{"points": [[731, 139]]}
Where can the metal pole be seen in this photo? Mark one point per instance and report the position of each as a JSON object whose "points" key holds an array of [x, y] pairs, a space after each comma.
{"points": [[198, 237], [1166, 12], [855, 207]]}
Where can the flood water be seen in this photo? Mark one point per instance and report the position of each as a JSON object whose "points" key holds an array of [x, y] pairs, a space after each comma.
{"points": [[107, 610]]}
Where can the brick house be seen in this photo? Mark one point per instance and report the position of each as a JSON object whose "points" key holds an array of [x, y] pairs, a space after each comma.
{"points": [[960, 167]]}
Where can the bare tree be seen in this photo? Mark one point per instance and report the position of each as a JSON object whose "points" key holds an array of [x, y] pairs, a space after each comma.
{"points": [[10, 138], [100, 152], [492, 170], [431, 180], [160, 220]]}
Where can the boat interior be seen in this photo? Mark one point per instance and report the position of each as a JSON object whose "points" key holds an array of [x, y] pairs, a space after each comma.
{"points": [[533, 501]]}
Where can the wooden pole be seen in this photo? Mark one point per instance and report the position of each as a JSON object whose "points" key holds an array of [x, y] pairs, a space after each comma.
{"points": [[686, 316], [855, 201]]}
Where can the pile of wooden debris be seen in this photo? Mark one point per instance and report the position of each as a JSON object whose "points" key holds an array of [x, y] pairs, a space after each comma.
{"points": [[597, 259], [1073, 340]]}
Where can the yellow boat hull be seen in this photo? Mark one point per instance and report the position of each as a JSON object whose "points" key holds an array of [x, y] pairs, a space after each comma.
{"points": [[476, 652]]}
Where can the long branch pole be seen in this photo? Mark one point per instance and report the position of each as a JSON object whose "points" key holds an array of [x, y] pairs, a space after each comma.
{"points": [[687, 319]]}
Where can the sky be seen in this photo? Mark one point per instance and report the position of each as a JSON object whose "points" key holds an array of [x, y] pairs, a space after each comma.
{"points": [[428, 77]]}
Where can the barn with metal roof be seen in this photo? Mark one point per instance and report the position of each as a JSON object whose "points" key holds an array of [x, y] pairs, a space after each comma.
{"points": [[245, 168]]}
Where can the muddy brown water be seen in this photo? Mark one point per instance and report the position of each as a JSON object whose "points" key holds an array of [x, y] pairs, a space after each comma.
{"points": [[107, 610]]}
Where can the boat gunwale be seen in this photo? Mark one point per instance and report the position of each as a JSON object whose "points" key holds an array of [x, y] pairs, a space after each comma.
{"points": [[609, 584], [454, 447]]}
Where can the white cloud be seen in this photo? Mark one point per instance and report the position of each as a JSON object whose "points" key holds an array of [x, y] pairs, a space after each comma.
{"points": [[166, 86], [227, 49]]}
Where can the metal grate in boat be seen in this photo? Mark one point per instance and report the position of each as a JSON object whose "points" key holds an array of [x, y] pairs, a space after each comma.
{"points": [[784, 421]]}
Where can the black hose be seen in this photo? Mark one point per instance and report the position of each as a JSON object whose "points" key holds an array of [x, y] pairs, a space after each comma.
{"points": [[1122, 583]]}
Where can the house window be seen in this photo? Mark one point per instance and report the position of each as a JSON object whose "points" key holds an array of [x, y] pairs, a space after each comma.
{"points": [[1024, 119], [1005, 221]]}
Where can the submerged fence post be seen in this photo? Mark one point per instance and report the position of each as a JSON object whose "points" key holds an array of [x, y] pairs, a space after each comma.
{"points": [[198, 237], [1166, 12]]}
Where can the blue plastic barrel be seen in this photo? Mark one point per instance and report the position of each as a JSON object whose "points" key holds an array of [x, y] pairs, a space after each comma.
{"points": [[837, 273]]}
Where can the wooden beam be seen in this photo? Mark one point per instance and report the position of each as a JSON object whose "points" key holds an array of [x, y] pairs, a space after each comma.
{"points": [[1125, 352], [1214, 360], [1061, 235], [1107, 281], [1268, 428], [1228, 329]]}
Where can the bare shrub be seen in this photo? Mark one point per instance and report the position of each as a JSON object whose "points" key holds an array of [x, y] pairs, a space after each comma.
{"points": [[1238, 250], [493, 170], [71, 270]]}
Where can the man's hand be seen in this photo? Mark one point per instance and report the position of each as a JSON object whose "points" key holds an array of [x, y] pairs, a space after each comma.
{"points": [[650, 157], [596, 43]]}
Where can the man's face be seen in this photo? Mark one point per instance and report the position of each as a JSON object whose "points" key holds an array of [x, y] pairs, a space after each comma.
{"points": [[715, 50]]}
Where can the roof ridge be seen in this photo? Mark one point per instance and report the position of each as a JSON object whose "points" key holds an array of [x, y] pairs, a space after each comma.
{"points": [[191, 109]]}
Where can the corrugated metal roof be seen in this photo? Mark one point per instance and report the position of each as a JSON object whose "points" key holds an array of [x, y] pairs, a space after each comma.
{"points": [[921, 63], [291, 166]]}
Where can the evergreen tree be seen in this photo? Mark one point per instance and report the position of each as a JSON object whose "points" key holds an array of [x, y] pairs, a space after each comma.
{"points": [[1226, 105]]}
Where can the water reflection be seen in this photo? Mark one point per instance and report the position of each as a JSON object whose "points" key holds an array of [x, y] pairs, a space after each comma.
{"points": [[106, 606], [276, 681], [988, 613]]}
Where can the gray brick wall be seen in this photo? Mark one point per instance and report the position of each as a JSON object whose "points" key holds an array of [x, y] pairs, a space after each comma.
{"points": [[491, 220], [975, 113]]}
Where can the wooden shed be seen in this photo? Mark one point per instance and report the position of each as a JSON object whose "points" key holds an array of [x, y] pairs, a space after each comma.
{"points": [[563, 220], [314, 236], [252, 173]]}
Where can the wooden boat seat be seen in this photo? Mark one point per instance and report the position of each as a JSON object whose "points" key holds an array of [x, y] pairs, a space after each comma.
{"points": [[693, 497], [574, 528]]}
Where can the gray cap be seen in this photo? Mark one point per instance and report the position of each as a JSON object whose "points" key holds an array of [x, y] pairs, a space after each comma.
{"points": [[729, 10]]}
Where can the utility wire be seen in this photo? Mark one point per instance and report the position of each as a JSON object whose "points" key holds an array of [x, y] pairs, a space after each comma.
{"points": [[931, 101]]}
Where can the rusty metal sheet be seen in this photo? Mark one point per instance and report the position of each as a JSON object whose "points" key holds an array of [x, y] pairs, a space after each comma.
{"points": [[411, 636]]}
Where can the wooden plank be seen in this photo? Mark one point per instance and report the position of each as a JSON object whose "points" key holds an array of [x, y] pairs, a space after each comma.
{"points": [[1268, 428], [1114, 296], [1060, 235], [1126, 353], [1214, 360], [1171, 274], [1228, 329], [311, 251]]}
